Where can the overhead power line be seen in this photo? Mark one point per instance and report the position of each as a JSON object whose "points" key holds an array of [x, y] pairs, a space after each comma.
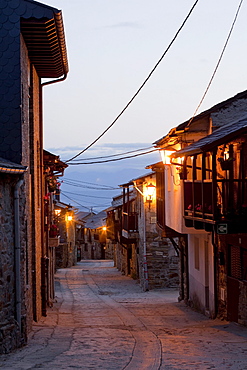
{"points": [[84, 195], [218, 63], [90, 183], [114, 155], [75, 184], [114, 160], [140, 88], [81, 205]]}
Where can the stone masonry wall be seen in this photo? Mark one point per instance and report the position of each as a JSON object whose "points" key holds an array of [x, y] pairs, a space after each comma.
{"points": [[162, 263], [9, 331], [242, 304]]}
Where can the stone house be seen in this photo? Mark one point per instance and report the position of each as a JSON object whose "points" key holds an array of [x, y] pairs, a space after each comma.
{"points": [[124, 248], [94, 236], [192, 182], [219, 174], [141, 251], [15, 322], [65, 227], [32, 47], [53, 169]]}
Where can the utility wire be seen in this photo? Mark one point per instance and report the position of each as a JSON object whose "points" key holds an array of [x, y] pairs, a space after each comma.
{"points": [[84, 195], [102, 206], [114, 160], [218, 63], [140, 88], [114, 155], [87, 187], [75, 202], [91, 183]]}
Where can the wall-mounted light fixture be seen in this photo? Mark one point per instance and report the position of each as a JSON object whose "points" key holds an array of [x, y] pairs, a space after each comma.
{"points": [[150, 192], [69, 218], [104, 228], [166, 156], [57, 212]]}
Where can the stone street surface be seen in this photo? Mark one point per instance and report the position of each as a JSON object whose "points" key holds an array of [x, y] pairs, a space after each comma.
{"points": [[103, 320]]}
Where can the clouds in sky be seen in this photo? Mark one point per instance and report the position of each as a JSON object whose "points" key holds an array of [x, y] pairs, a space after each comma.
{"points": [[112, 174], [113, 46]]}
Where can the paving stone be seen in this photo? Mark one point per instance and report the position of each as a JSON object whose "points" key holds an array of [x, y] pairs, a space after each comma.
{"points": [[103, 320]]}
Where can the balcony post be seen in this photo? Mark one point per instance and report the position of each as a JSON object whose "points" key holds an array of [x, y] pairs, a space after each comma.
{"points": [[203, 178], [214, 184]]}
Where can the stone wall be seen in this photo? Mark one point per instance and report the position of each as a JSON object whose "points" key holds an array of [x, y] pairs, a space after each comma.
{"points": [[28, 277], [31, 157], [61, 254], [162, 263], [242, 304], [109, 251], [11, 335], [120, 258]]}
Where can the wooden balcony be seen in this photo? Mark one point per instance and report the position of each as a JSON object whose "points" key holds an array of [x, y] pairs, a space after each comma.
{"points": [[209, 207], [130, 225]]}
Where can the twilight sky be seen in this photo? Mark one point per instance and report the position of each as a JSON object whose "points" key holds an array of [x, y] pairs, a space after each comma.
{"points": [[112, 47]]}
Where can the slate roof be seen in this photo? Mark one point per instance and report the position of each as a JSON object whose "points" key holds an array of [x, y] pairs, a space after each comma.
{"points": [[42, 30], [53, 162], [118, 200], [96, 221], [83, 216], [208, 112], [11, 168], [218, 137], [131, 182]]}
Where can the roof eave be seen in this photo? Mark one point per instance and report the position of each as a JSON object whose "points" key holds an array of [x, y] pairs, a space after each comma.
{"points": [[45, 40]]}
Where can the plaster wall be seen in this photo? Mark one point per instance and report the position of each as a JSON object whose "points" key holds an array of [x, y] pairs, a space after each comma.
{"points": [[201, 273]]}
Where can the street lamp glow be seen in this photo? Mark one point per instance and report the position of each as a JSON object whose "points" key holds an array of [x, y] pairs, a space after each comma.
{"points": [[166, 156], [150, 192]]}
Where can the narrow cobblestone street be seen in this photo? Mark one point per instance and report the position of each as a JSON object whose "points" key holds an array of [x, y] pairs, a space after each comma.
{"points": [[103, 320]]}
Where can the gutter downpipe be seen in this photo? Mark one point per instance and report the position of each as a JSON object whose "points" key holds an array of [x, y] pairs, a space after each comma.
{"points": [[145, 251], [55, 81], [44, 243], [215, 277], [17, 251]]}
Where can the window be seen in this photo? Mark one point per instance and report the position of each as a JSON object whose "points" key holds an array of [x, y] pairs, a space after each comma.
{"points": [[237, 262], [196, 253], [160, 197]]}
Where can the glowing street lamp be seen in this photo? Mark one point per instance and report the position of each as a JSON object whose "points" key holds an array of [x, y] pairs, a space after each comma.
{"points": [[166, 156], [57, 212], [150, 191]]}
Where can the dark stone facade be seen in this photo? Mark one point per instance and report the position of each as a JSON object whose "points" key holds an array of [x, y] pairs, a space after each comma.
{"points": [[11, 12], [11, 334], [162, 266], [21, 143]]}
